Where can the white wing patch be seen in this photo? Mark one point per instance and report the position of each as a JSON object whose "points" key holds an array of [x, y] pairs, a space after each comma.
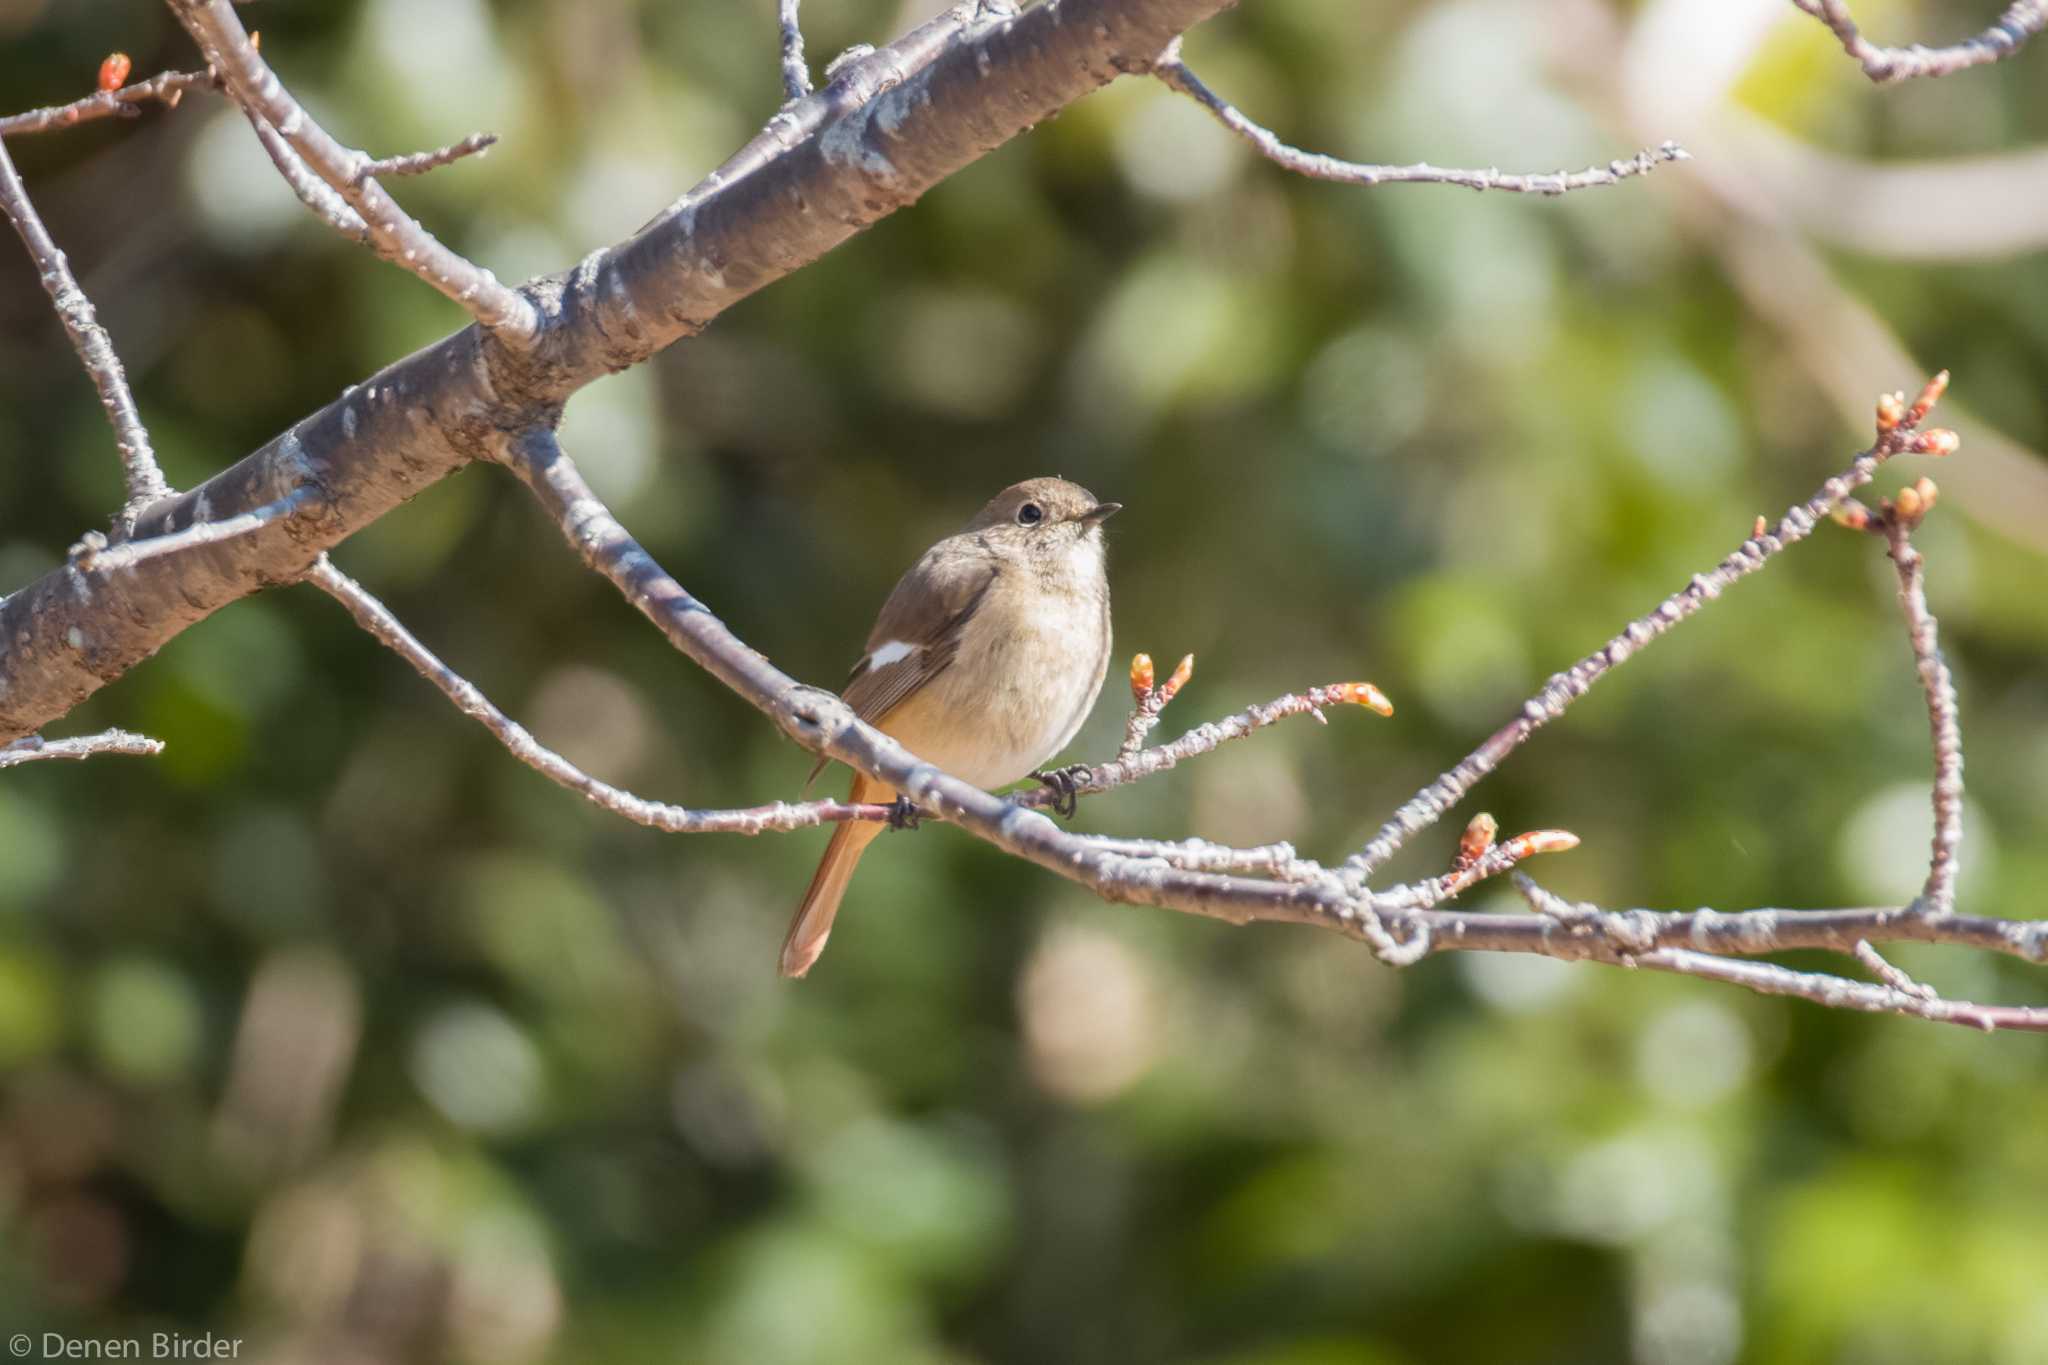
{"points": [[889, 652]]}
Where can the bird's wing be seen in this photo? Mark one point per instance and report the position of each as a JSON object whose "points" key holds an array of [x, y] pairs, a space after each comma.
{"points": [[918, 632]]}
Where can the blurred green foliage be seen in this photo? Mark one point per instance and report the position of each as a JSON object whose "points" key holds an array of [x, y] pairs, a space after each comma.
{"points": [[336, 1030]]}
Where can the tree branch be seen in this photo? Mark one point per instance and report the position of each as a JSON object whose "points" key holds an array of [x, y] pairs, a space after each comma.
{"points": [[35, 748], [93, 553], [145, 481], [1134, 763], [1170, 69], [1888, 65], [126, 102], [1429, 804], [1939, 686], [825, 725], [376, 618], [1205, 879], [796, 72], [393, 234], [1768, 978], [419, 163]]}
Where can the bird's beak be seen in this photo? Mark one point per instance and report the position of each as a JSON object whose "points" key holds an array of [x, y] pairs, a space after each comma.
{"points": [[1101, 512]]}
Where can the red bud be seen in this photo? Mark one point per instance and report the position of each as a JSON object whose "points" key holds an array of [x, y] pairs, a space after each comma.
{"points": [[1141, 677], [1182, 671]]}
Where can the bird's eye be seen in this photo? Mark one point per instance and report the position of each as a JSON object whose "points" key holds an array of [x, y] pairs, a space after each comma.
{"points": [[1030, 514]]}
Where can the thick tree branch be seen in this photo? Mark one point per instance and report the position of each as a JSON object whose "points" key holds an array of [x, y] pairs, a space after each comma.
{"points": [[1175, 73], [145, 481], [1887, 65]]}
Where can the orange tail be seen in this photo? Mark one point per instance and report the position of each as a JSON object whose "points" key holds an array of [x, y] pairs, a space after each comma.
{"points": [[813, 922]]}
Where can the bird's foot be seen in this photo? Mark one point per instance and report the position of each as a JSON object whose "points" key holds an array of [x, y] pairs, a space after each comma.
{"points": [[904, 814], [1066, 784]]}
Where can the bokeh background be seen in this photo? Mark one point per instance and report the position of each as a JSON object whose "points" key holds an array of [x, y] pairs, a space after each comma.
{"points": [[335, 1030]]}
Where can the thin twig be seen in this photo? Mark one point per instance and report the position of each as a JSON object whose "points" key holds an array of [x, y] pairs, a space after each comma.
{"points": [[1573, 930], [1131, 766], [1835, 992], [1887, 973], [145, 481], [1887, 65], [419, 163], [1200, 855], [393, 234], [93, 555], [1170, 69], [315, 193], [796, 72], [127, 102], [376, 618], [1625, 939], [1149, 698], [35, 748], [1430, 804], [1493, 862], [1937, 683]]}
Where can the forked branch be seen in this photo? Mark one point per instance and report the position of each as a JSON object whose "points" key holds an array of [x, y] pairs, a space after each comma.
{"points": [[392, 233]]}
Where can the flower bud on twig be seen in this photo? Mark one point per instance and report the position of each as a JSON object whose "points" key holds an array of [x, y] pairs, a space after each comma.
{"points": [[114, 71], [1929, 396], [1476, 840], [1182, 671], [1363, 694], [1939, 442]]}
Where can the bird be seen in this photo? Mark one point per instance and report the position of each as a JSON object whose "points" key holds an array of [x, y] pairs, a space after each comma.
{"points": [[985, 660]]}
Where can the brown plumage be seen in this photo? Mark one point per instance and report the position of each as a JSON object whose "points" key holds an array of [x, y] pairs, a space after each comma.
{"points": [[985, 660]]}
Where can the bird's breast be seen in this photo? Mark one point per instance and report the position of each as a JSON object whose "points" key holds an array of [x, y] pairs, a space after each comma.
{"points": [[1028, 670]]}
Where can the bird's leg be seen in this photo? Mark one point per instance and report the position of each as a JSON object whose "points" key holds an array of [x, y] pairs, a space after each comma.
{"points": [[904, 814], [1066, 784]]}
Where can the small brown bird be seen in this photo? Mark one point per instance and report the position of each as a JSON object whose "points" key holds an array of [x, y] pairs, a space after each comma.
{"points": [[986, 659]]}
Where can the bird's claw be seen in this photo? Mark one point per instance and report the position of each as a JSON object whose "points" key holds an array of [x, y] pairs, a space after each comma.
{"points": [[904, 814], [1066, 784]]}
